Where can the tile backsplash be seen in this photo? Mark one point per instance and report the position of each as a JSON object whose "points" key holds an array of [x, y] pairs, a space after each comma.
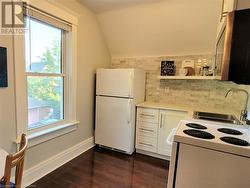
{"points": [[201, 94]]}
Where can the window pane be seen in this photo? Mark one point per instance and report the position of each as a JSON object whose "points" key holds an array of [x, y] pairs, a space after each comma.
{"points": [[43, 47], [45, 100]]}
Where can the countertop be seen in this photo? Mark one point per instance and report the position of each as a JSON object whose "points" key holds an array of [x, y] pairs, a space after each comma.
{"points": [[163, 106], [189, 109]]}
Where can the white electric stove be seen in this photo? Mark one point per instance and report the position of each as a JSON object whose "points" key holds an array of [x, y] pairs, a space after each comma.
{"points": [[209, 154]]}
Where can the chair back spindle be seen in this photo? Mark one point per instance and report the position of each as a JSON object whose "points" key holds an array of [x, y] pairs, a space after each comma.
{"points": [[15, 160]]}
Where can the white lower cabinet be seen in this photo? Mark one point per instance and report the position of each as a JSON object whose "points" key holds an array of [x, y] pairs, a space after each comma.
{"points": [[147, 129], [154, 129], [169, 122]]}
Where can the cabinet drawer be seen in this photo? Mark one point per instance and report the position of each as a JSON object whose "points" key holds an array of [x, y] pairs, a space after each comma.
{"points": [[148, 115], [146, 143], [147, 129], [151, 126], [146, 132]]}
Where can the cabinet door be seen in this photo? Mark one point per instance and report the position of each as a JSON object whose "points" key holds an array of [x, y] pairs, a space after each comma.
{"points": [[168, 121]]}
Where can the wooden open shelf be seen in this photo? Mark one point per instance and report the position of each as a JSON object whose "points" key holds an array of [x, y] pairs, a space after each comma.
{"points": [[189, 77]]}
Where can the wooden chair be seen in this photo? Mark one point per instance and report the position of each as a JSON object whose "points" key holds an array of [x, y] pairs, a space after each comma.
{"points": [[15, 160]]}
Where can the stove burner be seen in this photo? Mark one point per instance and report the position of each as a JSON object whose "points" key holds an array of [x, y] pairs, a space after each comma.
{"points": [[230, 131], [235, 141], [196, 126], [199, 134]]}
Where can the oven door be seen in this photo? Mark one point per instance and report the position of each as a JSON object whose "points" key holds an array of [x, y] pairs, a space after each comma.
{"points": [[173, 165]]}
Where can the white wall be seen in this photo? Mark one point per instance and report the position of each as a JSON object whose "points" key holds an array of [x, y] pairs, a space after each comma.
{"points": [[92, 53], [170, 27], [7, 101]]}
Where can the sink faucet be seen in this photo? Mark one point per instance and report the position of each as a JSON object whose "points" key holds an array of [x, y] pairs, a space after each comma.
{"points": [[243, 116]]}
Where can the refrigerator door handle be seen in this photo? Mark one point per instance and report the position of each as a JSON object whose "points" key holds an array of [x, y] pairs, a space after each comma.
{"points": [[130, 84], [129, 111]]}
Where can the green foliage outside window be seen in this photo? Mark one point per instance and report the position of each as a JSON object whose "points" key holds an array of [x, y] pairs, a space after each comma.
{"points": [[49, 89]]}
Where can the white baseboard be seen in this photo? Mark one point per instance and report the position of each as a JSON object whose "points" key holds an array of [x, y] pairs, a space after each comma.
{"points": [[35, 173]]}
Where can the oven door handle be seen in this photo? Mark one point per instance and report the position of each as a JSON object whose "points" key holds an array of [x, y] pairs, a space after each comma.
{"points": [[170, 137]]}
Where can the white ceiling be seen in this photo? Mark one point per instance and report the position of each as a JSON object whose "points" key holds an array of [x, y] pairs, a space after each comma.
{"points": [[106, 5]]}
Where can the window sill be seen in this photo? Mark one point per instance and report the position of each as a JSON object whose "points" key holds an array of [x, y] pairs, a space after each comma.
{"points": [[48, 134]]}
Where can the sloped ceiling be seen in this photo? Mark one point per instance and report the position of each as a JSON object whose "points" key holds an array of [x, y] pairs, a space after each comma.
{"points": [[169, 27], [106, 5]]}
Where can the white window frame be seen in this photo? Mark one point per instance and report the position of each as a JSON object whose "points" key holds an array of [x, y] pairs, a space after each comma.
{"points": [[64, 74], [70, 122]]}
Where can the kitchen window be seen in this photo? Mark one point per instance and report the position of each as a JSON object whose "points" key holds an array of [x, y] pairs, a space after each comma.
{"points": [[45, 73], [46, 79]]}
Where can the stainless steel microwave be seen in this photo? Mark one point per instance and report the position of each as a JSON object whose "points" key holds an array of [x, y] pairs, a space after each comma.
{"points": [[223, 47], [233, 48]]}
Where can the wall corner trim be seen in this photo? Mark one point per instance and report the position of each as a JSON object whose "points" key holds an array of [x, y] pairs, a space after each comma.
{"points": [[35, 173]]}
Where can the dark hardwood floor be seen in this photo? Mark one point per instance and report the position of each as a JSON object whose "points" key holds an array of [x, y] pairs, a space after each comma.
{"points": [[101, 168]]}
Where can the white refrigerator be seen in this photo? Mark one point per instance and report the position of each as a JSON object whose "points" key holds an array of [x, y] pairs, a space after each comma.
{"points": [[117, 93]]}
